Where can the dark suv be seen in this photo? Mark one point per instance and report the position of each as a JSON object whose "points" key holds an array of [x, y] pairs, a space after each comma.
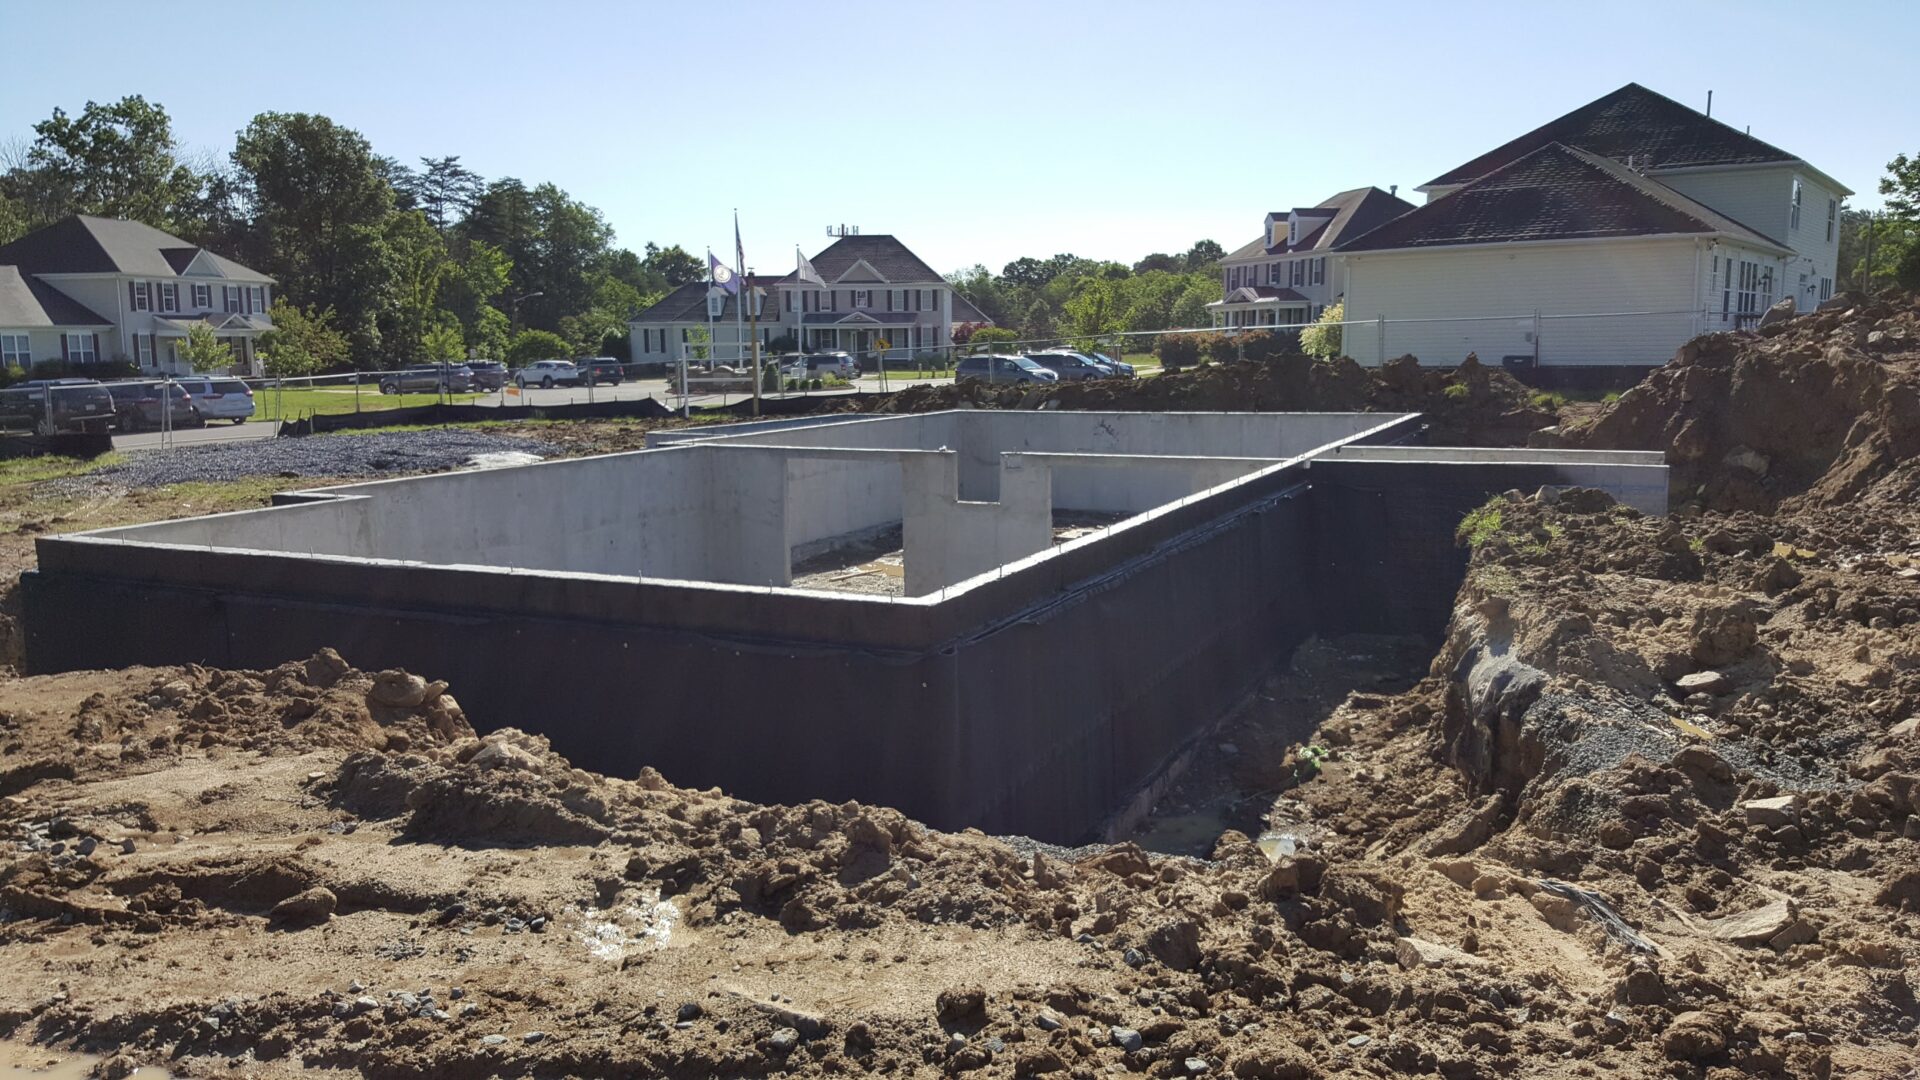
{"points": [[453, 378], [601, 371], [76, 405], [488, 374], [1002, 369], [136, 407]]}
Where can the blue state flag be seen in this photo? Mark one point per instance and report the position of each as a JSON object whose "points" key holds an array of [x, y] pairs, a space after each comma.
{"points": [[722, 274]]}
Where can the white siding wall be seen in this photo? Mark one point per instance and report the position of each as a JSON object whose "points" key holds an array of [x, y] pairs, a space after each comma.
{"points": [[1498, 289], [1756, 198]]}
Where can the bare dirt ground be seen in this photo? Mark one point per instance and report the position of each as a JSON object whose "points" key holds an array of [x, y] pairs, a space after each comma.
{"points": [[1652, 809]]}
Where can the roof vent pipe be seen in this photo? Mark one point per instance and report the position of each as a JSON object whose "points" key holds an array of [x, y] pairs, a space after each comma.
{"points": [[1394, 190]]}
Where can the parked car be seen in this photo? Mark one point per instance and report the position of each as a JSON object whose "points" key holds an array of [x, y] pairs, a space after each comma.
{"points": [[1070, 367], [76, 405], [816, 365], [1120, 368], [428, 379], [217, 398], [136, 407], [601, 371], [547, 373], [488, 374], [999, 369]]}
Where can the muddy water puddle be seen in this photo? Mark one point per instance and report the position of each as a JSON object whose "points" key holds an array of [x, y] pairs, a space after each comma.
{"points": [[20, 1061]]}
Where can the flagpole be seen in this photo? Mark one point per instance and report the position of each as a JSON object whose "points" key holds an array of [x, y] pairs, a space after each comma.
{"points": [[758, 375], [739, 292]]}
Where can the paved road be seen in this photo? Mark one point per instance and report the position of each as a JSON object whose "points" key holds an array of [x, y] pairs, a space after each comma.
{"points": [[559, 395]]}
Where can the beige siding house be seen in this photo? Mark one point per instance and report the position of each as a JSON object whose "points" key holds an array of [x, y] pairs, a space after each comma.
{"points": [[94, 290], [1606, 237]]}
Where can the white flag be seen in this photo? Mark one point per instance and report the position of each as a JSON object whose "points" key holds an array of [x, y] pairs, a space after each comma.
{"points": [[806, 272]]}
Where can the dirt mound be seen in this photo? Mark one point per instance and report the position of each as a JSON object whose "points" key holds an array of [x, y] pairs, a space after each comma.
{"points": [[1466, 405], [1818, 410]]}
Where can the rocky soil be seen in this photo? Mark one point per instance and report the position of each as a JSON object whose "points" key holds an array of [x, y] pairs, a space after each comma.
{"points": [[1653, 810]]}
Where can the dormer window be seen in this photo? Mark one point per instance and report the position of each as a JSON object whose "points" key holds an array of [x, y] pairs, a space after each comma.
{"points": [[716, 302], [1293, 231]]}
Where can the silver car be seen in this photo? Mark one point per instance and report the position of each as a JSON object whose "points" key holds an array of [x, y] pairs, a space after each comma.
{"points": [[219, 398]]}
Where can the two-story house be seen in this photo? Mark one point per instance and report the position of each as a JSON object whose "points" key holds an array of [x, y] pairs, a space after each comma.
{"points": [[1606, 237], [1290, 273], [92, 290], [875, 290]]}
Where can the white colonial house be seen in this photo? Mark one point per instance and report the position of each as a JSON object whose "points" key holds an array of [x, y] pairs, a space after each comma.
{"points": [[1606, 237], [1290, 273], [875, 290], [93, 290]]}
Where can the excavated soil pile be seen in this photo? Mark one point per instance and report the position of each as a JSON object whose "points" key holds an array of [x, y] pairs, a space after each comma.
{"points": [[1655, 811], [1818, 410], [1466, 405]]}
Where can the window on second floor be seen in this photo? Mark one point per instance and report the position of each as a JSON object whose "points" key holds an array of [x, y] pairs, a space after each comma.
{"points": [[1793, 221], [140, 295], [258, 295], [170, 296], [202, 296], [862, 298], [1833, 217]]}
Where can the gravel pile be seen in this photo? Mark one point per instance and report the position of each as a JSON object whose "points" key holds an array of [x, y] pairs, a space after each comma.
{"points": [[386, 453]]}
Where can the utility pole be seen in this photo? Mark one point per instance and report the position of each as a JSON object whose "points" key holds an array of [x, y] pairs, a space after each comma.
{"points": [[746, 290]]}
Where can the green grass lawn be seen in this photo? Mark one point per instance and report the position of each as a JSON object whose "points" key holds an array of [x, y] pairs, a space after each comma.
{"points": [[272, 405]]}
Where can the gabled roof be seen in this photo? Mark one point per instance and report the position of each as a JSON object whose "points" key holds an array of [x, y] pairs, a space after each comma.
{"points": [[1554, 193], [965, 312], [1659, 132], [688, 303], [1253, 294], [95, 245], [28, 304], [885, 255], [1355, 212]]}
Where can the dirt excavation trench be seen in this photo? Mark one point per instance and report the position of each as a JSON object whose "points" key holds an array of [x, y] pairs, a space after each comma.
{"points": [[1651, 807]]}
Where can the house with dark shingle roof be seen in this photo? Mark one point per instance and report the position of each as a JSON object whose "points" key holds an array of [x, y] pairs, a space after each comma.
{"points": [[1606, 237], [94, 290], [1289, 274], [875, 290]]}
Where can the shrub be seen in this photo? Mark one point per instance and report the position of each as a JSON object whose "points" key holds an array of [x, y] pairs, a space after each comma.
{"points": [[1177, 350], [1219, 347], [1457, 391], [1265, 345], [531, 345], [992, 335], [1323, 338]]}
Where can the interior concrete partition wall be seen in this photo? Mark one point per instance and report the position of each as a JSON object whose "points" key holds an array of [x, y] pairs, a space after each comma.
{"points": [[1032, 698]]}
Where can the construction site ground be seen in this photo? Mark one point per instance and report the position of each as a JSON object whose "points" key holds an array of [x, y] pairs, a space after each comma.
{"points": [[1650, 807]]}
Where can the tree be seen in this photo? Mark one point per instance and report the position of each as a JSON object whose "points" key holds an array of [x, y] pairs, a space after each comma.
{"points": [[417, 258], [1177, 351], [117, 160], [319, 204], [487, 334], [1203, 256], [1901, 186], [1323, 338], [531, 345], [675, 265], [443, 189], [1190, 310], [442, 342], [1160, 260], [302, 342], [204, 351], [1093, 312]]}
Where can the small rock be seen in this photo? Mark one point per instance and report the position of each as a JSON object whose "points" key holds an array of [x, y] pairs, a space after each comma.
{"points": [[1906, 729], [1197, 1065], [1694, 1036], [1126, 1038], [689, 1010], [1134, 957], [1777, 812], [397, 690], [1797, 932], [127, 846], [356, 987], [493, 1040], [1047, 1020], [1359, 1041], [534, 1037], [784, 1040], [960, 1002], [315, 905], [85, 847], [1704, 682], [1760, 924], [1413, 952], [500, 754]]}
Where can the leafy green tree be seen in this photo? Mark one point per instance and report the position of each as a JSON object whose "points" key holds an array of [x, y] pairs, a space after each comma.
{"points": [[1094, 311], [116, 160], [1323, 338], [204, 351], [1204, 256], [417, 258], [1160, 260], [1177, 351], [1190, 310], [674, 265], [487, 334], [1901, 186], [302, 342], [531, 345], [442, 341], [319, 204], [992, 337]]}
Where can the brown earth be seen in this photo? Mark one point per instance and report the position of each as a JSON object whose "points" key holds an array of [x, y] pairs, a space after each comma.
{"points": [[1654, 809], [1819, 410], [1468, 405]]}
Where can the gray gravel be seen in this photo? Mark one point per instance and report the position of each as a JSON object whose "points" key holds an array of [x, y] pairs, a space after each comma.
{"points": [[387, 453]]}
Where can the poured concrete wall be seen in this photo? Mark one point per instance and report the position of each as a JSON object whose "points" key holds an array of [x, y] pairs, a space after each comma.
{"points": [[948, 540]]}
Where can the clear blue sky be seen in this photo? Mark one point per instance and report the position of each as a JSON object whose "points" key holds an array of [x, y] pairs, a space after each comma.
{"points": [[977, 131]]}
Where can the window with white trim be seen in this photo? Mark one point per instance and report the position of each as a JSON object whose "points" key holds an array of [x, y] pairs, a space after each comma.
{"points": [[1833, 217], [1320, 270], [140, 349], [80, 349], [260, 299], [16, 350], [1299, 271], [202, 296], [142, 294], [169, 296], [230, 298], [1793, 221], [1826, 288]]}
